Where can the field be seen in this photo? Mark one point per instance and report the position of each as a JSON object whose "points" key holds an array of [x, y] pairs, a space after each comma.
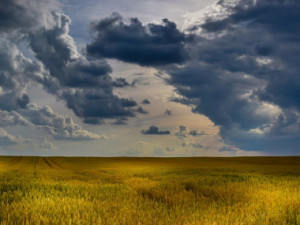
{"points": [[58, 190]]}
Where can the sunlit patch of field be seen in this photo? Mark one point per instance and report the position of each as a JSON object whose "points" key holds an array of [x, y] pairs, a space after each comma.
{"points": [[53, 190]]}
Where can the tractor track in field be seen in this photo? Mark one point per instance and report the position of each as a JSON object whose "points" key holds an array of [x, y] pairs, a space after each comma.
{"points": [[55, 163], [14, 161], [51, 163], [48, 163]]}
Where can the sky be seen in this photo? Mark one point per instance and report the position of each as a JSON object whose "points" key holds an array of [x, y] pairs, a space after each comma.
{"points": [[149, 78]]}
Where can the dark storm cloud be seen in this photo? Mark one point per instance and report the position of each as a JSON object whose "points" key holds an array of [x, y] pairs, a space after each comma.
{"points": [[141, 110], [219, 95], [242, 70], [14, 72], [24, 15], [57, 51], [153, 130], [12, 101], [120, 82], [147, 45], [15, 107], [146, 102], [245, 77], [195, 133], [168, 112], [85, 85], [93, 103], [94, 121], [120, 122]]}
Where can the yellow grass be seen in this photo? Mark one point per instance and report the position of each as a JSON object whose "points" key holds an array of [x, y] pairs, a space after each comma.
{"points": [[36, 190]]}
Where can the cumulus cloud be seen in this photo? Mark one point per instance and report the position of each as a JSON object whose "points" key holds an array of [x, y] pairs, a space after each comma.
{"points": [[12, 118], [196, 133], [182, 133], [146, 102], [141, 110], [8, 139], [247, 84], [45, 144], [24, 15], [225, 97], [153, 130], [147, 45], [16, 71], [187, 138], [97, 103], [56, 49], [84, 84], [120, 82], [60, 127], [244, 82], [168, 112], [120, 121]]}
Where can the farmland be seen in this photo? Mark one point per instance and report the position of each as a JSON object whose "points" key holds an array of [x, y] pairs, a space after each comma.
{"points": [[83, 190]]}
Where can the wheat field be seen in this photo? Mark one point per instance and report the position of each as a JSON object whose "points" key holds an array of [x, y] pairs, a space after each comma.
{"points": [[82, 190]]}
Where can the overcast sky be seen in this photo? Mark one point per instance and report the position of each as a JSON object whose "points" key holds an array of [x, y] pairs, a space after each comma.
{"points": [[149, 78]]}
